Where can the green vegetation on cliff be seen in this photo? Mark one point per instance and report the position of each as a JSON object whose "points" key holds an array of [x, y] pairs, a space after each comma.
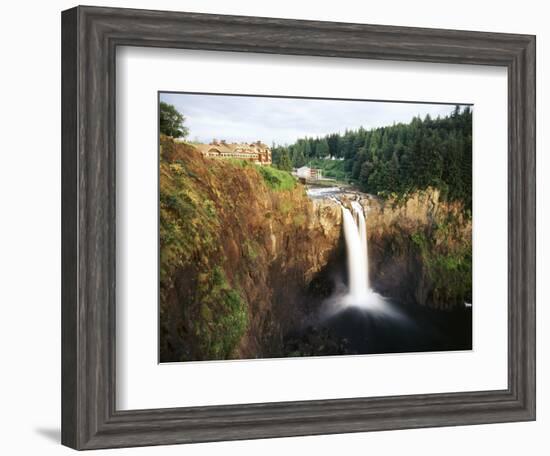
{"points": [[450, 270], [223, 315], [427, 244]]}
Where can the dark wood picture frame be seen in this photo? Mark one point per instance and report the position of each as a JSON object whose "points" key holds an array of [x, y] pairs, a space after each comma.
{"points": [[90, 36]]}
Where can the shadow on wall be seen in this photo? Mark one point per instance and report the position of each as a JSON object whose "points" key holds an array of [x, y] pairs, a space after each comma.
{"points": [[51, 434]]}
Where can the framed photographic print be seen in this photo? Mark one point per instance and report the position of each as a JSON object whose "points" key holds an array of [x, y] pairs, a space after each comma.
{"points": [[279, 228]]}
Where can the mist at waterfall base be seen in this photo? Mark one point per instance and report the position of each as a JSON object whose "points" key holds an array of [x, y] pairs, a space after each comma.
{"points": [[365, 322]]}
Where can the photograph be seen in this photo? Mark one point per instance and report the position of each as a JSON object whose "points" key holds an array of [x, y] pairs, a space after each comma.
{"points": [[300, 227]]}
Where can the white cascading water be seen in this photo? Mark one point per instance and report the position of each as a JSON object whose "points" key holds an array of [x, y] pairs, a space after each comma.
{"points": [[355, 234], [362, 226], [357, 270]]}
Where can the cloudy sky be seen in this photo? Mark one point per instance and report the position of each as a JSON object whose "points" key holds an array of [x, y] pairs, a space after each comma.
{"points": [[283, 120]]}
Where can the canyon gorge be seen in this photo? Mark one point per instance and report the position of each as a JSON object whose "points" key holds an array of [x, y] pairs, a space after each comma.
{"points": [[253, 265]]}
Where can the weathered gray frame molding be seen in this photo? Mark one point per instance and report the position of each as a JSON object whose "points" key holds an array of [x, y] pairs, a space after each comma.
{"points": [[90, 36]]}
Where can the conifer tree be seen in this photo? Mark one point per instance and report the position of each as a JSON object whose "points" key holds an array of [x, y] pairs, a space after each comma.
{"points": [[284, 162]]}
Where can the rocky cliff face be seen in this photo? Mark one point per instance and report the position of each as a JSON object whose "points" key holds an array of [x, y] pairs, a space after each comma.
{"points": [[420, 249], [239, 246]]}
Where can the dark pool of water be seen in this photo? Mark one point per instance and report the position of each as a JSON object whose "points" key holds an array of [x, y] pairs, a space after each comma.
{"points": [[406, 329], [411, 330]]}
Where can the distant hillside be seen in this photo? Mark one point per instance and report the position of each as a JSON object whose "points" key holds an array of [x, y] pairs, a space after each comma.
{"points": [[397, 159]]}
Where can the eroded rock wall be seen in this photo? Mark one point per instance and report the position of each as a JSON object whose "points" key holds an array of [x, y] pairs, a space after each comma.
{"points": [[420, 249], [237, 254]]}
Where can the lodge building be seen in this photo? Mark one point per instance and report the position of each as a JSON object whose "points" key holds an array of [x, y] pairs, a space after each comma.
{"points": [[256, 152]]}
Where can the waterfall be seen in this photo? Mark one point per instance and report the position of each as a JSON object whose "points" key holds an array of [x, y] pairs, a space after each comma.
{"points": [[357, 264], [359, 294], [355, 234], [362, 226]]}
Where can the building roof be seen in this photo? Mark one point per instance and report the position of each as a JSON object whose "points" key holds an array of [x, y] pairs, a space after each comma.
{"points": [[224, 147]]}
